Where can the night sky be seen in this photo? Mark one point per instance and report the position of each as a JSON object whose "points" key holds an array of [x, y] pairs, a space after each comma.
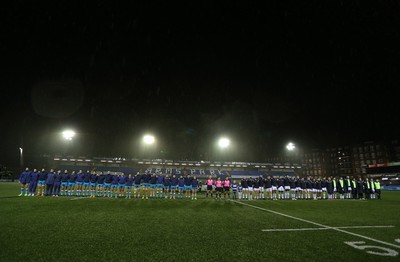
{"points": [[318, 73]]}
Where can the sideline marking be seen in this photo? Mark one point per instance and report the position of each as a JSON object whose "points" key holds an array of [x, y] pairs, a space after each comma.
{"points": [[319, 228], [320, 225]]}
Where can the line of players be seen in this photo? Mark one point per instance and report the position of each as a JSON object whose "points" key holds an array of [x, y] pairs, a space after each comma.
{"points": [[92, 184], [96, 184], [307, 188]]}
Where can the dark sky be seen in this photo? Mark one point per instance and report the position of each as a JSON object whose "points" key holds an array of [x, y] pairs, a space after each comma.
{"points": [[318, 73]]}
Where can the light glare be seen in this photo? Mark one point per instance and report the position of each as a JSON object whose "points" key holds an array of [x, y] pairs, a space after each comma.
{"points": [[68, 134], [148, 139], [224, 142], [290, 146]]}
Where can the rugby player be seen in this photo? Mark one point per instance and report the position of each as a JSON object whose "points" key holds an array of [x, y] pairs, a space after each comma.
{"points": [[64, 183], [24, 179], [41, 182], [195, 185]]}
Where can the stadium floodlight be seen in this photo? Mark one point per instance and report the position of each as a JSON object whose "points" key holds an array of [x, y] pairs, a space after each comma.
{"points": [[290, 146], [68, 134], [149, 139], [223, 142]]}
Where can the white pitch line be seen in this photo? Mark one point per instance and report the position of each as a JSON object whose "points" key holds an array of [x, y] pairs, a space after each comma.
{"points": [[295, 229], [365, 227], [77, 198], [318, 228], [320, 225]]}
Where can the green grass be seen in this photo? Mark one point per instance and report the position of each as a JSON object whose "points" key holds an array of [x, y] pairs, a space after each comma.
{"points": [[58, 229]]}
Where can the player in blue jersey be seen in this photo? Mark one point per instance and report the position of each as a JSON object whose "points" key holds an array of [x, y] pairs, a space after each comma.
{"points": [[153, 185], [86, 183], [245, 188], [166, 186], [64, 183], [173, 183], [268, 187], [71, 183], [298, 188], [50, 183], [292, 184], [93, 181], [160, 180], [114, 185], [274, 188], [128, 186], [41, 182], [33, 182], [234, 189], [194, 187], [79, 182], [188, 186], [121, 184], [24, 178], [145, 185], [136, 189], [100, 183], [57, 183], [261, 186], [181, 186], [107, 184], [240, 191]]}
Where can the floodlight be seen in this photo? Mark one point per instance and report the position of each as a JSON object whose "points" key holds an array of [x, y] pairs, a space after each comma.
{"points": [[290, 146], [223, 142], [68, 134], [148, 139]]}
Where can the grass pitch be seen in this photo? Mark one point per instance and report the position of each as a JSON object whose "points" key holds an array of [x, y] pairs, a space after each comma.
{"points": [[61, 229]]}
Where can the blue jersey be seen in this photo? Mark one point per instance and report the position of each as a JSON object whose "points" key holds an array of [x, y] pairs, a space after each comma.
{"points": [[137, 179], [146, 178], [50, 178], [173, 181], [79, 177], [86, 178], [234, 187], [181, 182], [129, 181], [122, 180], [42, 176], [64, 177], [188, 181], [160, 179], [24, 177], [108, 178], [28, 177], [57, 178], [100, 179], [115, 179], [195, 182], [153, 180], [34, 177], [167, 181], [72, 178], [93, 178], [286, 181]]}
